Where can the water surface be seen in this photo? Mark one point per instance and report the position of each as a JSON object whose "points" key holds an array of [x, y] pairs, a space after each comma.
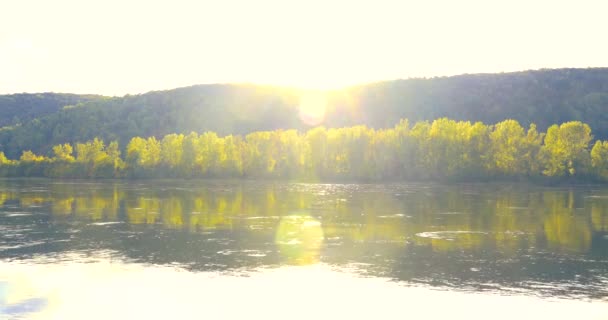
{"points": [[229, 249]]}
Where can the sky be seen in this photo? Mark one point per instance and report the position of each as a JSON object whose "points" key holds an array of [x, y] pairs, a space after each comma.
{"points": [[117, 47]]}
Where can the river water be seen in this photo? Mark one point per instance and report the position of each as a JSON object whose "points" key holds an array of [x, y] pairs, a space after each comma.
{"points": [[275, 250]]}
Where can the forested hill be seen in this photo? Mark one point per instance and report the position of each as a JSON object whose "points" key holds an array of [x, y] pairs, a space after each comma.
{"points": [[543, 97], [23, 107], [225, 109]]}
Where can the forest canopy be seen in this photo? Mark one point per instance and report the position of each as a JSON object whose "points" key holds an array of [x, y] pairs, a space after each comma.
{"points": [[17, 109], [444, 149]]}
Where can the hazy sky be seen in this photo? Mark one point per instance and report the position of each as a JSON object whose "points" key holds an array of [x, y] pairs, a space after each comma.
{"points": [[119, 46]]}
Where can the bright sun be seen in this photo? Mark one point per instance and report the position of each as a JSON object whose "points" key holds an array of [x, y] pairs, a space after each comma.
{"points": [[312, 106]]}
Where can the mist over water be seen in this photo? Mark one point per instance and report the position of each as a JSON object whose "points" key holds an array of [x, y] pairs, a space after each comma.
{"points": [[230, 249]]}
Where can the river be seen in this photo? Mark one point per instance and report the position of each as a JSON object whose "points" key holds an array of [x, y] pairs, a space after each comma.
{"points": [[220, 249]]}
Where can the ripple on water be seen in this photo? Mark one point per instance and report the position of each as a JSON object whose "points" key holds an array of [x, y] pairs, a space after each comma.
{"points": [[447, 235], [105, 223], [394, 216], [597, 197], [450, 213], [23, 245]]}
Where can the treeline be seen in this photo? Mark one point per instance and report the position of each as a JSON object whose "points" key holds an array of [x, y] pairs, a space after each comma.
{"points": [[440, 150], [543, 97]]}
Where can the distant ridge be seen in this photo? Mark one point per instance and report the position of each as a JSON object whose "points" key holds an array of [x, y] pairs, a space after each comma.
{"points": [[23, 107], [544, 97]]}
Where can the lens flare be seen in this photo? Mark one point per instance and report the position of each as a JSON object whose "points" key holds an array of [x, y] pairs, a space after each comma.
{"points": [[312, 107], [299, 239]]}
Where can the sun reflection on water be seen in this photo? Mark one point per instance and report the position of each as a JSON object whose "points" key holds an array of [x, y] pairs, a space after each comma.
{"points": [[299, 238], [121, 290]]}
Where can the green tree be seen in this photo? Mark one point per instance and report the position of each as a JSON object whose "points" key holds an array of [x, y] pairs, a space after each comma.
{"points": [[29, 156], [532, 151], [565, 151], [91, 151], [3, 159], [93, 159], [63, 152], [508, 142], [172, 150], [231, 162], [599, 159]]}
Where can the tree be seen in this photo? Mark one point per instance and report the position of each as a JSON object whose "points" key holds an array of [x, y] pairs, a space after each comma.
{"points": [[91, 151], [565, 151], [532, 151], [63, 152], [4, 160], [209, 152], [508, 147], [599, 159], [29, 156], [189, 154], [479, 150], [447, 147], [92, 157], [171, 150], [231, 163], [316, 140], [113, 152]]}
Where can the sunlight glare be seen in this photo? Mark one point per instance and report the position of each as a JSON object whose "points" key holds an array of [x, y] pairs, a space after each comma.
{"points": [[120, 290], [313, 104], [299, 239]]}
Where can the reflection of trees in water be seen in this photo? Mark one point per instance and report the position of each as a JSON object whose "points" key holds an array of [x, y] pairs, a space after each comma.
{"points": [[442, 218]]}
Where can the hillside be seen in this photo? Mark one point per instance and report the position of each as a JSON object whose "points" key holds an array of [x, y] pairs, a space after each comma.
{"points": [[23, 107], [543, 97]]}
